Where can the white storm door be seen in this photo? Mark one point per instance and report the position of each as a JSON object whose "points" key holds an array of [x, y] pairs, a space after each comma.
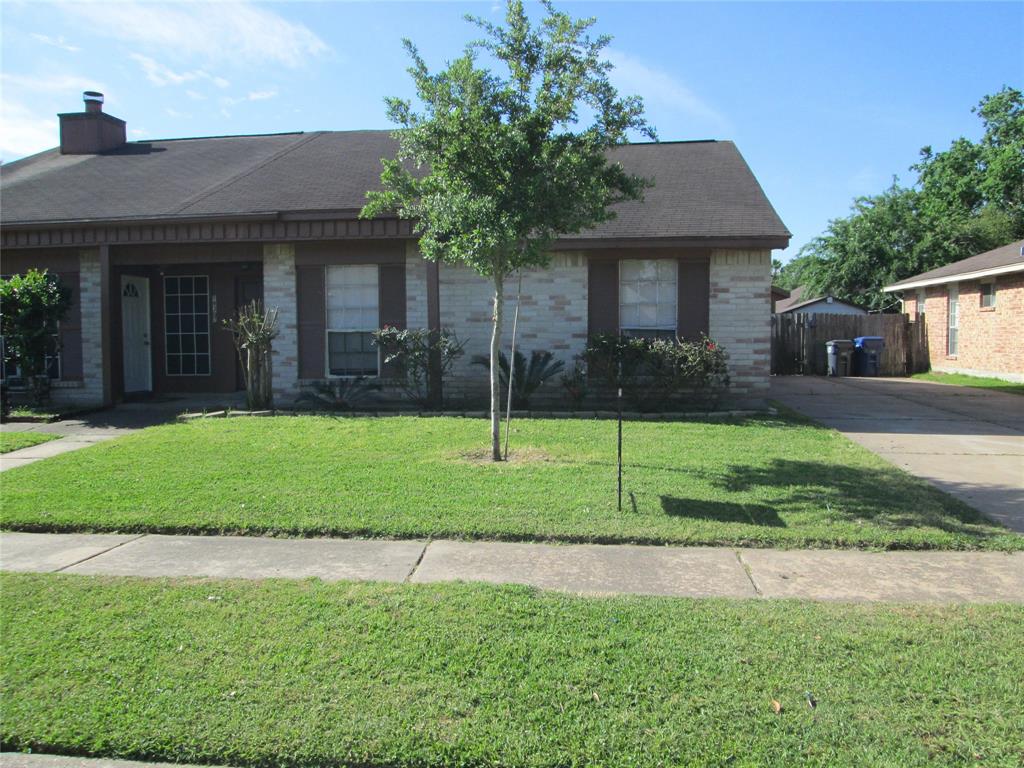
{"points": [[138, 363]]}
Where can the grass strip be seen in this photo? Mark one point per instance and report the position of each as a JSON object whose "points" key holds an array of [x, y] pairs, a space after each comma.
{"points": [[765, 481], [310, 674]]}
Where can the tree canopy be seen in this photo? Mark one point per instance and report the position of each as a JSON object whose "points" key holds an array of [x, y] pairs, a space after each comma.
{"points": [[966, 200], [494, 165]]}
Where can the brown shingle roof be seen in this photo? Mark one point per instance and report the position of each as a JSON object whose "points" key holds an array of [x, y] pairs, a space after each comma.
{"points": [[1009, 255], [703, 190]]}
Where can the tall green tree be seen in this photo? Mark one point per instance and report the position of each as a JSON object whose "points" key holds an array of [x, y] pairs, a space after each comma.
{"points": [[967, 199], [495, 165]]}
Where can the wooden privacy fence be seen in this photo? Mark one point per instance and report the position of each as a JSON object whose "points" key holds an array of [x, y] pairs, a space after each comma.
{"points": [[798, 342]]}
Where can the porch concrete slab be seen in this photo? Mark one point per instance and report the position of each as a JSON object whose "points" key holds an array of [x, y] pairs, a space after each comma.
{"points": [[44, 552], [976, 577], [590, 569], [246, 557]]}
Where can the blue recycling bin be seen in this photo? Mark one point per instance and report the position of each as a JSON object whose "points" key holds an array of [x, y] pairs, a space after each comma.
{"points": [[867, 355]]}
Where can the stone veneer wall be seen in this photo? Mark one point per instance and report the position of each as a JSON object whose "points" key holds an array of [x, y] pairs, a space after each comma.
{"points": [[89, 391], [740, 316], [553, 317], [279, 292]]}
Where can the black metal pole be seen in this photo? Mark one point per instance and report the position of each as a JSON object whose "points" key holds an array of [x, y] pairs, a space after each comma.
{"points": [[620, 448]]}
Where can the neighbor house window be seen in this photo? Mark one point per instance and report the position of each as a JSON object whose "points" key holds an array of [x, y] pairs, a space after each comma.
{"points": [[648, 293], [187, 325], [988, 295], [920, 302], [954, 319], [352, 317]]}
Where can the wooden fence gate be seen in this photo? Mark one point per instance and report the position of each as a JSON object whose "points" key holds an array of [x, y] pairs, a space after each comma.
{"points": [[798, 342]]}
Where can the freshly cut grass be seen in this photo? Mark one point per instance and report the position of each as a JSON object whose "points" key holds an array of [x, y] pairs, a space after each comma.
{"points": [[310, 674], [15, 441], [759, 481], [979, 382]]}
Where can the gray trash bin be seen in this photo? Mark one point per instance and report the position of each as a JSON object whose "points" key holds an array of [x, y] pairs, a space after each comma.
{"points": [[840, 354], [867, 355]]}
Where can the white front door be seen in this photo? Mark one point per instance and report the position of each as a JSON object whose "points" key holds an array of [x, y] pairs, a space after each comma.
{"points": [[138, 363]]}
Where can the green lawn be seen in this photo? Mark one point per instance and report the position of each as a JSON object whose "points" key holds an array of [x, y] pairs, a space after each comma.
{"points": [[981, 382], [310, 674], [15, 441], [761, 481]]}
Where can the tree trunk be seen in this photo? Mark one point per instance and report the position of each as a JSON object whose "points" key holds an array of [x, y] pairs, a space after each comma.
{"points": [[499, 307]]}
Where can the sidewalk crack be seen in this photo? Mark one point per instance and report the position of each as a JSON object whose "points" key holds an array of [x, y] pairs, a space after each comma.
{"points": [[750, 574], [108, 549], [419, 560]]}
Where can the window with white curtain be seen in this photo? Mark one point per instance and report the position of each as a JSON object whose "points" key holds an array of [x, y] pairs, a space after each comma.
{"points": [[953, 335], [352, 316], [648, 295], [920, 302]]}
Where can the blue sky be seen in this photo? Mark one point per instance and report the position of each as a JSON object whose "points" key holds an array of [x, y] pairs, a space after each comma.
{"points": [[825, 100]]}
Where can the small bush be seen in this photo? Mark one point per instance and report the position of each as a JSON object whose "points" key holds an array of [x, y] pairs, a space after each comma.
{"points": [[409, 350], [32, 306], [527, 377], [574, 383], [656, 373], [339, 394]]}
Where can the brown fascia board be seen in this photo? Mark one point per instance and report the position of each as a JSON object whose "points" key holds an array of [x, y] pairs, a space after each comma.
{"points": [[563, 244], [758, 242]]}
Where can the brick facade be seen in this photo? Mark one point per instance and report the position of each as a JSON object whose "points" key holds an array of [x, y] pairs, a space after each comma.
{"points": [[279, 292], [740, 317], [553, 317], [990, 340]]}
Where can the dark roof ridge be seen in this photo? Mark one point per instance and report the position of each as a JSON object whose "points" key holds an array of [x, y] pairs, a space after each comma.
{"points": [[221, 136], [249, 171]]}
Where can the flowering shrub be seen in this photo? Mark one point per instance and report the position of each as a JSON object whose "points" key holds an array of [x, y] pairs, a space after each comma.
{"points": [[654, 372], [408, 352]]}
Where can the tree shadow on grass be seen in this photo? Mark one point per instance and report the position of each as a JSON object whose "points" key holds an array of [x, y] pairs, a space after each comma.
{"points": [[883, 496], [721, 511]]}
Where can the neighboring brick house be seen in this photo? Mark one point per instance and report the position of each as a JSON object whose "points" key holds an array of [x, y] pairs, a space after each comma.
{"points": [[974, 311], [160, 240]]}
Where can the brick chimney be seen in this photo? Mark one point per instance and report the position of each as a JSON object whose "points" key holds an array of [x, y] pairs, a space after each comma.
{"points": [[92, 131]]}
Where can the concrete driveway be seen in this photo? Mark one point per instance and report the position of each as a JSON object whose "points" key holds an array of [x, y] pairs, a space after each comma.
{"points": [[967, 441]]}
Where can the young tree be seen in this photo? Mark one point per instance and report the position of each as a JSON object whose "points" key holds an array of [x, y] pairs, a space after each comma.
{"points": [[497, 165]]}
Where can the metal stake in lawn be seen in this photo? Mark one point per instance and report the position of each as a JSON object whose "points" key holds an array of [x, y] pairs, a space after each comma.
{"points": [[512, 364], [619, 399]]}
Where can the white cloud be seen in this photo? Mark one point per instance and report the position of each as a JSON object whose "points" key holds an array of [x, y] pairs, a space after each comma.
{"points": [[138, 133], [260, 95], [194, 95], [161, 75], [175, 114], [22, 132], [215, 31], [58, 83], [56, 42], [660, 88], [230, 101]]}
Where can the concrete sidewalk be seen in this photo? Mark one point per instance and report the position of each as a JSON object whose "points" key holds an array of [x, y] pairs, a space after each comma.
{"points": [[968, 442], [845, 575], [24, 760]]}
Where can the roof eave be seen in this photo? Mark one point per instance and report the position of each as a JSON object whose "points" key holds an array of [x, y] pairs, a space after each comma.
{"points": [[955, 278]]}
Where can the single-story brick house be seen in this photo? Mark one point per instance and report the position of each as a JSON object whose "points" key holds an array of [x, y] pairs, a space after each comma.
{"points": [[974, 309], [161, 240]]}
